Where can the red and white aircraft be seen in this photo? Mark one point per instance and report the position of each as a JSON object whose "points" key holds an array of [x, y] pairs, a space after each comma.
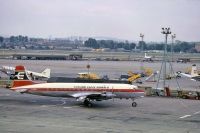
{"points": [[85, 92]]}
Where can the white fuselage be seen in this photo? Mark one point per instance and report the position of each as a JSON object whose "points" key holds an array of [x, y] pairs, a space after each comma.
{"points": [[73, 89]]}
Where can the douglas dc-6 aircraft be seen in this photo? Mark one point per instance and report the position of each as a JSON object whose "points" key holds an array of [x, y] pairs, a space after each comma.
{"points": [[194, 74], [33, 75], [85, 92]]}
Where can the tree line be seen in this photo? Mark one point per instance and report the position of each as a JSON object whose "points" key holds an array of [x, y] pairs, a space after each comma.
{"points": [[177, 47], [96, 44]]}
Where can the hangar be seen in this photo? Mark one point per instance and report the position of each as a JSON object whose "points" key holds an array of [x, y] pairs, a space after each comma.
{"points": [[47, 57]]}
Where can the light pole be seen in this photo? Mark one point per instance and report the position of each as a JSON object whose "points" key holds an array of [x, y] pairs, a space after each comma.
{"points": [[88, 67], [142, 37], [172, 45], [165, 31], [142, 49]]}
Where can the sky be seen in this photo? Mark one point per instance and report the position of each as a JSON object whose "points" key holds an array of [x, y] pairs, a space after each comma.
{"points": [[122, 19]]}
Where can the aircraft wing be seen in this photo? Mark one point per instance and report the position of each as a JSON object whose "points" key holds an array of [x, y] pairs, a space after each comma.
{"points": [[7, 69], [3, 70], [23, 90], [197, 78], [186, 75], [93, 95]]}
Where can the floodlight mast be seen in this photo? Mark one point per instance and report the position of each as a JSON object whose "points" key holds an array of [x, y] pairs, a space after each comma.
{"points": [[142, 36], [172, 46], [166, 32], [142, 41], [142, 50]]}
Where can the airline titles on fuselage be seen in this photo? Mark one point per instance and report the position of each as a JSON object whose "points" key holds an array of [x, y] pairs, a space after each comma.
{"points": [[94, 87]]}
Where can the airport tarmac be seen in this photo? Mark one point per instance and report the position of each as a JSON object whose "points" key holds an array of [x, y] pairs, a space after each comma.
{"points": [[25, 113], [111, 68]]}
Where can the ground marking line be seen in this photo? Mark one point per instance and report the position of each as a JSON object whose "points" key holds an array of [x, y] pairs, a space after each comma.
{"points": [[33, 101], [185, 116], [4, 94], [67, 107], [196, 112], [44, 106]]}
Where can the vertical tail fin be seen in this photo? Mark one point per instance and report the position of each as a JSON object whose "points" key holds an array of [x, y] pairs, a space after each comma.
{"points": [[46, 72], [145, 55], [20, 77], [194, 71]]}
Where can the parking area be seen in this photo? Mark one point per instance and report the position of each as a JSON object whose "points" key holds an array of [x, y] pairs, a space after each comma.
{"points": [[22, 113]]}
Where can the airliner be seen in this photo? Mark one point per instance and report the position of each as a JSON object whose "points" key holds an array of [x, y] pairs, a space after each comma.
{"points": [[34, 75], [85, 92]]}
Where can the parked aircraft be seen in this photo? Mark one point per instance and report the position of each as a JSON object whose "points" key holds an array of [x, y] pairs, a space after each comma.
{"points": [[85, 92], [193, 75], [33, 75], [147, 58]]}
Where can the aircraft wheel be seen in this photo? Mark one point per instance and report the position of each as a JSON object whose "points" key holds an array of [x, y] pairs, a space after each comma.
{"points": [[87, 103], [134, 104]]}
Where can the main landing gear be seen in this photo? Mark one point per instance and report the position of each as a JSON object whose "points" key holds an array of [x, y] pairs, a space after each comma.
{"points": [[134, 104], [87, 103]]}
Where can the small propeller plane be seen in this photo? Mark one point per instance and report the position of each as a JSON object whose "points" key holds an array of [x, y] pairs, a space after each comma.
{"points": [[193, 75], [147, 58], [9, 70], [85, 92]]}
